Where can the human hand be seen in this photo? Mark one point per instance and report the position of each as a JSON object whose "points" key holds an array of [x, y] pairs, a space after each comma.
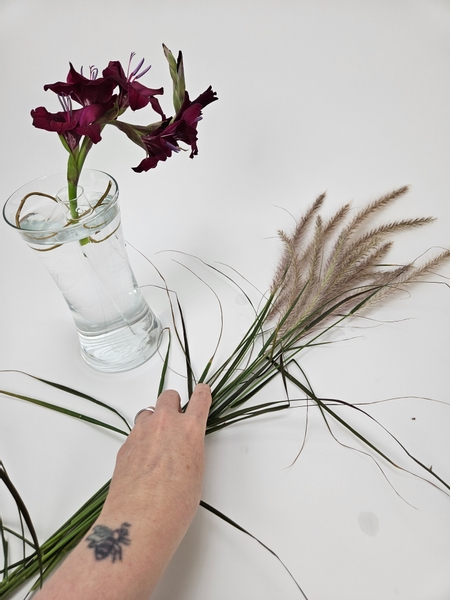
{"points": [[155, 491], [159, 469]]}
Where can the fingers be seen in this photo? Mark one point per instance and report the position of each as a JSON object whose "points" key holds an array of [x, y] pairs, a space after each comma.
{"points": [[198, 406], [149, 409], [169, 399], [200, 402]]}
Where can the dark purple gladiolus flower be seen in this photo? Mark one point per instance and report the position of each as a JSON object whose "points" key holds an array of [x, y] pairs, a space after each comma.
{"points": [[103, 100], [95, 96], [164, 140], [132, 93], [60, 122], [71, 124], [83, 90]]}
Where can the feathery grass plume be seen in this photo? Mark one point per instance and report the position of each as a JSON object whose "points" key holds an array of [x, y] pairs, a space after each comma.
{"points": [[330, 269]]}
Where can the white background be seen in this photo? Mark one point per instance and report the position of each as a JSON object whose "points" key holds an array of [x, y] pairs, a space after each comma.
{"points": [[351, 97]]}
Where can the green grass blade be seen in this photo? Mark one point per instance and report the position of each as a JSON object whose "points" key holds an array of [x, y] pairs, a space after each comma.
{"points": [[65, 411], [208, 365], [325, 407], [18, 536], [21, 507], [162, 379], [392, 436], [72, 391], [213, 268], [187, 355], [224, 517], [4, 571], [243, 414]]}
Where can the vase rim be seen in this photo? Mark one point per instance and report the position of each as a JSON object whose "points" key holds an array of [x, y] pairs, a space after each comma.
{"points": [[12, 203]]}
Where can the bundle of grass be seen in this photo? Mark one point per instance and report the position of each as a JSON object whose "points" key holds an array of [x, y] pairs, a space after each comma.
{"points": [[330, 270]]}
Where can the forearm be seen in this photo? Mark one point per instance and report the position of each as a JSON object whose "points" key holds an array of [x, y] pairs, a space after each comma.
{"points": [[122, 557], [154, 494]]}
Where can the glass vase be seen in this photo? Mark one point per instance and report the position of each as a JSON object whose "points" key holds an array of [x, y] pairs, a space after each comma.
{"points": [[82, 246]]}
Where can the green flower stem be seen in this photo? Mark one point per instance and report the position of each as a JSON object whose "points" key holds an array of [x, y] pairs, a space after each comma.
{"points": [[74, 166], [73, 175]]}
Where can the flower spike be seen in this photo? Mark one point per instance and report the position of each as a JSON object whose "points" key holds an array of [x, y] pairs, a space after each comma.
{"points": [[103, 99]]}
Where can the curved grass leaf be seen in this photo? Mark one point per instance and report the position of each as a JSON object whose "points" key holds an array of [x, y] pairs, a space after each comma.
{"points": [[66, 411], [72, 391], [23, 511], [222, 516]]}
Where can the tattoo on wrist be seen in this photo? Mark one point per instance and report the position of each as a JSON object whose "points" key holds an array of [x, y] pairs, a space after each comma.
{"points": [[108, 542]]}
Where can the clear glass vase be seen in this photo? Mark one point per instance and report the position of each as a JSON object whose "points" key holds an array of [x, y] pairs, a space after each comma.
{"points": [[81, 244]]}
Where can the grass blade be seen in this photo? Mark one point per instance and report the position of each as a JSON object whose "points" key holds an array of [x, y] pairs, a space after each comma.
{"points": [[162, 378], [65, 411], [21, 507], [72, 391], [224, 517]]}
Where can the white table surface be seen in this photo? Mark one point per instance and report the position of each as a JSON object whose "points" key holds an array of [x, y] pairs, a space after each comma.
{"points": [[350, 97]]}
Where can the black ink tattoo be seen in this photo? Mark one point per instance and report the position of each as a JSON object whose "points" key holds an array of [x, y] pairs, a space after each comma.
{"points": [[108, 542]]}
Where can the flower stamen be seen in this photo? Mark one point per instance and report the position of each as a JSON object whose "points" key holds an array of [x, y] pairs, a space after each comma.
{"points": [[93, 72], [132, 55], [66, 104], [135, 73]]}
